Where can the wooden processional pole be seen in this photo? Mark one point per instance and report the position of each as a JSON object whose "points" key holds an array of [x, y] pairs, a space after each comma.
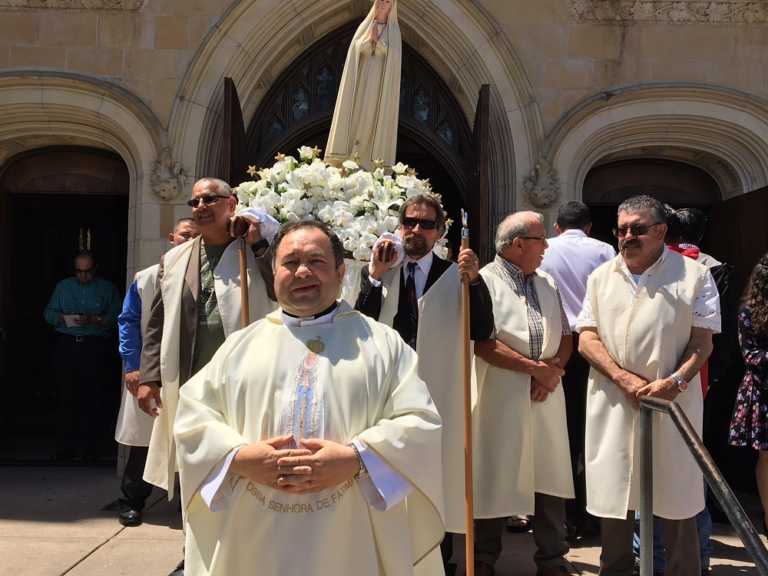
{"points": [[468, 479], [245, 316]]}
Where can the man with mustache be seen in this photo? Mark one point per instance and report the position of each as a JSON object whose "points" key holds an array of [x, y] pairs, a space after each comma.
{"points": [[646, 329], [196, 306], [421, 299], [522, 456]]}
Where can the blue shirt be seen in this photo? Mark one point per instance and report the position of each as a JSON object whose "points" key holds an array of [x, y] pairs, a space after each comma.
{"points": [[98, 297], [129, 329]]}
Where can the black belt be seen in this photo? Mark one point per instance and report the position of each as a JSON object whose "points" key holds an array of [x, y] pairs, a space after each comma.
{"points": [[79, 339]]}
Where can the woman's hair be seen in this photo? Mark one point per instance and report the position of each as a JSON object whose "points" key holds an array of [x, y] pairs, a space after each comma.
{"points": [[756, 295]]}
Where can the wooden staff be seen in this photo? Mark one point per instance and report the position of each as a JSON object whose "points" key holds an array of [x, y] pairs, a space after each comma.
{"points": [[468, 480], [245, 315]]}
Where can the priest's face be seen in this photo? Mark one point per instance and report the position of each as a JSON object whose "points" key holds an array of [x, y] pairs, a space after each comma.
{"points": [[417, 240], [307, 280]]}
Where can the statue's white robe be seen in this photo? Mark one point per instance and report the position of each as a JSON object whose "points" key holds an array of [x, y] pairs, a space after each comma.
{"points": [[134, 426], [264, 382], [161, 460], [440, 349], [520, 446]]}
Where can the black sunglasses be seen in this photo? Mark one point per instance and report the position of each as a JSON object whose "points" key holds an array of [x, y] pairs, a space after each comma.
{"points": [[635, 229], [206, 199], [425, 224]]}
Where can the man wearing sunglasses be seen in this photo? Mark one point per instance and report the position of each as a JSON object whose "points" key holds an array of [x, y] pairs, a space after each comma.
{"points": [[646, 329], [421, 299], [83, 310], [522, 454], [197, 305]]}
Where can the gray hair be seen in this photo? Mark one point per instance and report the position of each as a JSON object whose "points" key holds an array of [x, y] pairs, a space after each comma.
{"points": [[644, 203], [514, 226], [221, 187]]}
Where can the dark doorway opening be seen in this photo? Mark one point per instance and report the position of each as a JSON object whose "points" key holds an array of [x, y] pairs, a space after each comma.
{"points": [[55, 201]]}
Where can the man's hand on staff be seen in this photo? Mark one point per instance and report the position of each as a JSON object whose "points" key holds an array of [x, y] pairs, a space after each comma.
{"points": [[327, 465], [383, 259], [148, 395], [242, 226], [258, 461], [662, 388], [469, 264], [132, 381], [548, 373]]}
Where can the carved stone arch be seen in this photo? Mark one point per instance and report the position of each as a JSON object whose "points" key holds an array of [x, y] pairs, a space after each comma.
{"points": [[256, 40], [721, 131], [39, 109]]}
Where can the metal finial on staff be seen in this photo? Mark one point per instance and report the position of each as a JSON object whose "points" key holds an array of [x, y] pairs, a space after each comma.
{"points": [[245, 317], [468, 476]]}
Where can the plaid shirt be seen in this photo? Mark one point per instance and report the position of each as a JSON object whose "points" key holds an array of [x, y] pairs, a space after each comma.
{"points": [[524, 287]]}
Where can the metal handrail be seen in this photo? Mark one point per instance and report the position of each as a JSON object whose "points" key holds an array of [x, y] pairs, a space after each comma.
{"points": [[733, 509]]}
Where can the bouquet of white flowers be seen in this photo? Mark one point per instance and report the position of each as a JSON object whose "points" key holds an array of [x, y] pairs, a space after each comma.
{"points": [[358, 205]]}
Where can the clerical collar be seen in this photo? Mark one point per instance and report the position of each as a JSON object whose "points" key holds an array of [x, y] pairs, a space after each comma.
{"points": [[324, 317]]}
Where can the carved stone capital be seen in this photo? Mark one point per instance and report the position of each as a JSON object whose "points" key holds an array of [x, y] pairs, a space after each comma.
{"points": [[677, 11], [73, 4], [542, 185], [167, 178]]}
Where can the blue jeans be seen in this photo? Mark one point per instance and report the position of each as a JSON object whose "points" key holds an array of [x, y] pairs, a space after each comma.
{"points": [[704, 526]]}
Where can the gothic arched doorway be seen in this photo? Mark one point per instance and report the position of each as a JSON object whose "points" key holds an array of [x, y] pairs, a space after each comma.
{"points": [[434, 136], [53, 202]]}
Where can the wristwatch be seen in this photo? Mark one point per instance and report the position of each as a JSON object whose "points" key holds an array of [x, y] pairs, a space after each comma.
{"points": [[362, 472], [679, 381]]}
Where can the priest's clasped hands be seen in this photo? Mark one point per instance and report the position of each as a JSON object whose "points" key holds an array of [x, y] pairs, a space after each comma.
{"points": [[315, 466]]}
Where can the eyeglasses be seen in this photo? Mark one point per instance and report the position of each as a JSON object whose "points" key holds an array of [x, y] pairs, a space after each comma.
{"points": [[634, 229], [425, 224], [207, 199], [539, 238]]}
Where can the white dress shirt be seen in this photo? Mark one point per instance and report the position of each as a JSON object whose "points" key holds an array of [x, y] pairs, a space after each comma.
{"points": [[382, 487], [570, 259]]}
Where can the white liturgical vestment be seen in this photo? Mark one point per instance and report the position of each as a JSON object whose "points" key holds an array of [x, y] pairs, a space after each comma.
{"points": [[645, 326], [350, 380], [521, 447], [134, 426]]}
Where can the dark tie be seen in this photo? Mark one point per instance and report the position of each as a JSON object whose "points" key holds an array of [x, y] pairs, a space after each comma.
{"points": [[413, 305]]}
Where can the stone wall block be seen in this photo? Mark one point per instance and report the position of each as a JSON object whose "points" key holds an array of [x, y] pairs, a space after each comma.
{"points": [[99, 62], [36, 56], [69, 29], [171, 32], [19, 28], [117, 30]]}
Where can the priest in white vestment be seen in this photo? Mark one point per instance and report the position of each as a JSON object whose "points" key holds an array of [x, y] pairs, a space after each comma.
{"points": [[521, 448], [420, 297], [309, 445], [134, 427], [646, 329]]}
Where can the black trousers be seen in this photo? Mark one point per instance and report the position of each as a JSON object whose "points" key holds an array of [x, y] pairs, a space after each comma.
{"points": [[82, 373], [575, 391], [135, 489]]}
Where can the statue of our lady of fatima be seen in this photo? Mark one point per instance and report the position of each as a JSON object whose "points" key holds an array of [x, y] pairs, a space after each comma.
{"points": [[365, 119]]}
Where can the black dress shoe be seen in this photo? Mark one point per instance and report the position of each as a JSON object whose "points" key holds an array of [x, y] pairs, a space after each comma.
{"points": [[130, 517]]}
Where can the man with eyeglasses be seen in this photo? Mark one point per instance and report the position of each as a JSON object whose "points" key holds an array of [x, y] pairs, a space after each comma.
{"points": [[83, 310], [196, 306], [646, 329], [420, 297], [134, 427], [522, 455]]}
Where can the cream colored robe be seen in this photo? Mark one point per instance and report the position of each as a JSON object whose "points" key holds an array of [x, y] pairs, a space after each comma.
{"points": [[520, 447], [439, 346], [365, 119], [161, 460], [645, 334], [134, 426], [363, 385]]}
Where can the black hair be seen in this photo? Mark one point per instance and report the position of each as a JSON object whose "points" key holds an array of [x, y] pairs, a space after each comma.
{"points": [[336, 245], [573, 214]]}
